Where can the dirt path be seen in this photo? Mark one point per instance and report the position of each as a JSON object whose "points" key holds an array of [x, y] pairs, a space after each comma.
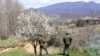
{"points": [[6, 50], [29, 48]]}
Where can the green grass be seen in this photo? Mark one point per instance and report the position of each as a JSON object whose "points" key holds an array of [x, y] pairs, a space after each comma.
{"points": [[16, 52], [92, 51], [21, 52], [78, 54], [7, 42], [72, 54]]}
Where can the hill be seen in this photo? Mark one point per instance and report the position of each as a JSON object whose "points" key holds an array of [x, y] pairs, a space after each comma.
{"points": [[72, 9]]}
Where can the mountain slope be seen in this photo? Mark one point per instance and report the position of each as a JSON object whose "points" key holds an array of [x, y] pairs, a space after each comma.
{"points": [[72, 9]]}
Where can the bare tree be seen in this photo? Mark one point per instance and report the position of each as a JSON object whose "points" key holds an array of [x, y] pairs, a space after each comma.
{"points": [[8, 15]]}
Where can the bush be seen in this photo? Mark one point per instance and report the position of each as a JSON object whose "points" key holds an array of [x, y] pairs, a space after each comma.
{"points": [[54, 42]]}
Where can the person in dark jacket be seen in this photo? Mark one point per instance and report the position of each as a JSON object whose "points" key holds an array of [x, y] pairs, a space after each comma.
{"points": [[67, 42], [42, 44]]}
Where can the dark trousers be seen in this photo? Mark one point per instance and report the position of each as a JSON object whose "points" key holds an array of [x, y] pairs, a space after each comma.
{"points": [[41, 48], [65, 49]]}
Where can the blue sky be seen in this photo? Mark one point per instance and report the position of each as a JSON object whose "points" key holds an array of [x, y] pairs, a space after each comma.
{"points": [[42, 3]]}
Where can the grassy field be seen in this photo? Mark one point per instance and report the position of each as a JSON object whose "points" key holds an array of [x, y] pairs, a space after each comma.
{"points": [[16, 52], [8, 42], [22, 52]]}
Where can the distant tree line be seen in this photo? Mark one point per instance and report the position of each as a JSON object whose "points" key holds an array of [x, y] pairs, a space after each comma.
{"points": [[82, 23]]}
